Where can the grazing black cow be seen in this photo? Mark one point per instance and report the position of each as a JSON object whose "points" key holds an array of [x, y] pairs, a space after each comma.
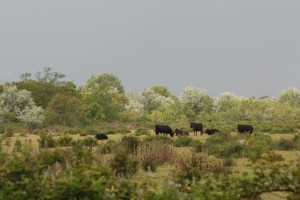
{"points": [[163, 129], [245, 128], [181, 132], [101, 136], [210, 131], [196, 127]]}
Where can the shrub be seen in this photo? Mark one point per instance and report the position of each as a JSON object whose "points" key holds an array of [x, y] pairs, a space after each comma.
{"points": [[183, 141], [198, 146], [159, 138], [65, 140], [73, 131], [46, 141], [109, 132], [8, 132], [130, 142], [285, 144], [122, 163], [156, 151], [192, 167], [108, 147], [224, 146], [124, 130], [149, 164], [142, 131]]}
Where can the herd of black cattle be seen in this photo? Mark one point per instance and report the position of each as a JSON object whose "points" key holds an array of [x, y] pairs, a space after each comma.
{"points": [[197, 127]]}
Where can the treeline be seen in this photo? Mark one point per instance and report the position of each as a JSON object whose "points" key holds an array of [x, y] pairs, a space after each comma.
{"points": [[45, 99]]}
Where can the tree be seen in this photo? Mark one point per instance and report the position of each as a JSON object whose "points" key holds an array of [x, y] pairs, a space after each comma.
{"points": [[64, 109], [47, 76], [46, 85], [18, 105], [195, 100], [104, 97], [290, 96], [225, 101]]}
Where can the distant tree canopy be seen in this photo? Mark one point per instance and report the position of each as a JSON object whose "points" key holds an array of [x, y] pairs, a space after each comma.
{"points": [[46, 85], [103, 99]]}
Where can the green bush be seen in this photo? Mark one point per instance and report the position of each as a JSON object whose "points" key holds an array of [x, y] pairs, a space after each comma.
{"points": [[149, 164], [108, 147], [123, 163], [142, 131], [124, 131], [160, 138], [46, 141], [183, 141], [285, 144], [198, 146], [8, 132], [224, 146], [65, 140], [73, 131], [109, 132], [130, 142]]}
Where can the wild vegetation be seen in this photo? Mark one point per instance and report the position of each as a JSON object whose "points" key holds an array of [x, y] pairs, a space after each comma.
{"points": [[48, 149]]}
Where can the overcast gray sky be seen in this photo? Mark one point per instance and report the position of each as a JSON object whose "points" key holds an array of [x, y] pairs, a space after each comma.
{"points": [[248, 47]]}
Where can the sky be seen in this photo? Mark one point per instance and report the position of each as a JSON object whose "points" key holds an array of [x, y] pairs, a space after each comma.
{"points": [[247, 47]]}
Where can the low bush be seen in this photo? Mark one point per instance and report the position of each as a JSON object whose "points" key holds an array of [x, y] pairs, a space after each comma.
{"points": [[130, 142], [198, 146], [108, 147], [183, 141], [65, 140], [46, 141], [159, 138], [109, 132], [192, 167], [123, 163], [149, 164], [142, 131], [285, 144]]}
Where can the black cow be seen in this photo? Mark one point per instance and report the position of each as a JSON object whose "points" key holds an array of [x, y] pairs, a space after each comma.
{"points": [[163, 129], [181, 132], [210, 131], [101, 136], [245, 128], [196, 127]]}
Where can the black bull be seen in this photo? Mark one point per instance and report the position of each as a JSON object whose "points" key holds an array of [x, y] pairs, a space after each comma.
{"points": [[101, 136], [163, 129], [196, 127], [245, 128]]}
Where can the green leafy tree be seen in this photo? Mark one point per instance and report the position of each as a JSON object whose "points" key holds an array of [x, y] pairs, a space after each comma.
{"points": [[65, 110], [45, 85], [104, 97]]}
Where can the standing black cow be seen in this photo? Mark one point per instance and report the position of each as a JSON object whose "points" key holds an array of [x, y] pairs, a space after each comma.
{"points": [[163, 129], [101, 136], [245, 128], [210, 131], [196, 127], [180, 132]]}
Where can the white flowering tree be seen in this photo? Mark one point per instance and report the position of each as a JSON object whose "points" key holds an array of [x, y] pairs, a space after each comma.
{"points": [[225, 101], [18, 105], [194, 101], [290, 96]]}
